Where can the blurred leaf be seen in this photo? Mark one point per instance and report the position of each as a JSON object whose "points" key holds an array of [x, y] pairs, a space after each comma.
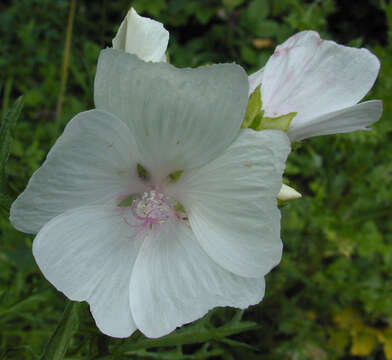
{"points": [[22, 305], [194, 333], [5, 203], [258, 10], [337, 238], [339, 339], [6, 95], [231, 4], [59, 341], [385, 337], [363, 343], [7, 127], [348, 319]]}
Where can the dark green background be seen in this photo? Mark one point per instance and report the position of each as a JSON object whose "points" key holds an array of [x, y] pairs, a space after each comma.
{"points": [[330, 298]]}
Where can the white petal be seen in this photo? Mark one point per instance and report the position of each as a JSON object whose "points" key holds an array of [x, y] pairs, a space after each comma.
{"points": [[313, 77], [255, 80], [231, 203], [181, 117], [353, 118], [174, 282], [287, 193], [88, 253], [93, 162], [143, 37]]}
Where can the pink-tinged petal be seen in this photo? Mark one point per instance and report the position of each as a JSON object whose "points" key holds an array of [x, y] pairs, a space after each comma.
{"points": [[143, 37], [255, 80], [353, 118], [313, 77], [231, 203], [93, 162], [175, 282], [88, 253]]}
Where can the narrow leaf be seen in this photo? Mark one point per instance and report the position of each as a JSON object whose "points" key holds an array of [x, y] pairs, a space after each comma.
{"points": [[22, 305], [6, 128], [59, 341], [189, 335], [7, 95]]}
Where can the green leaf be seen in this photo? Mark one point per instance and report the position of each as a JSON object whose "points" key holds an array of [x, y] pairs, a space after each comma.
{"points": [[253, 109], [231, 4], [7, 95], [59, 341], [199, 332], [6, 128], [258, 10], [280, 123], [5, 204], [23, 304], [235, 343]]}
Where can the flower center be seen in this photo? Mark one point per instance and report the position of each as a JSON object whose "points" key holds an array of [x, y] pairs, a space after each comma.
{"points": [[152, 208]]}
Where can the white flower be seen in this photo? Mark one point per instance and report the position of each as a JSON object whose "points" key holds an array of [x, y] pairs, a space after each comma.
{"points": [[322, 82], [154, 265], [143, 37]]}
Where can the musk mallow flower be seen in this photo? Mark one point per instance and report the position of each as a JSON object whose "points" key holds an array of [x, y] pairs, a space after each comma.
{"points": [[143, 37], [318, 84], [148, 39], [146, 249]]}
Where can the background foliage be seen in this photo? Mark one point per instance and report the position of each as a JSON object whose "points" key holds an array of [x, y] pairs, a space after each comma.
{"points": [[330, 298]]}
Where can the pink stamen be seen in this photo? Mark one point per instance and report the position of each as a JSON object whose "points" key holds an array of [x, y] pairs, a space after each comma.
{"points": [[153, 208]]}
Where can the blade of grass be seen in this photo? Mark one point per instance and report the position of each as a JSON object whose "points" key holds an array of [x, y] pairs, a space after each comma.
{"points": [[6, 128], [6, 96], [65, 65], [59, 341], [189, 335]]}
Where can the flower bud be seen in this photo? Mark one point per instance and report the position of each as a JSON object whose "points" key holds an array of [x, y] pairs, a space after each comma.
{"points": [[287, 193], [143, 37]]}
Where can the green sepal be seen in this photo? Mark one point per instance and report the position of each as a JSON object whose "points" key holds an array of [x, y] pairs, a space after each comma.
{"points": [[142, 172], [254, 116], [253, 109], [281, 204], [175, 176], [256, 121], [279, 123], [179, 207], [128, 200]]}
